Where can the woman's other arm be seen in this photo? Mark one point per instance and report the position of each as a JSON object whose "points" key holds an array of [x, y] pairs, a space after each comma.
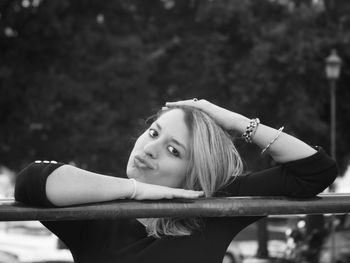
{"points": [[285, 148], [69, 185], [62, 185]]}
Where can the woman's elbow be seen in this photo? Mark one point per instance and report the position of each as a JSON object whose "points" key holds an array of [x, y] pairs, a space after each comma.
{"points": [[19, 192], [311, 187], [21, 184], [30, 183]]}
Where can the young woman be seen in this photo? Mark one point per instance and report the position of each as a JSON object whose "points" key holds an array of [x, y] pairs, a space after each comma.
{"points": [[185, 153]]}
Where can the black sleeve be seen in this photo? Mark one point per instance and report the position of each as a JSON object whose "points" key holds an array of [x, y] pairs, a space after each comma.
{"points": [[30, 187], [305, 177]]}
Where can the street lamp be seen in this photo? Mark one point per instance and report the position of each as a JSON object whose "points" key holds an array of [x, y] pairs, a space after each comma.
{"points": [[333, 67]]}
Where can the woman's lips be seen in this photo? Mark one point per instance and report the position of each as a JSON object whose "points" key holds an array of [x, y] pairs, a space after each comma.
{"points": [[143, 163]]}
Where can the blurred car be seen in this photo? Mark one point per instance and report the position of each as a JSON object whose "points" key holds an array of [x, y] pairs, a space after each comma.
{"points": [[336, 247], [30, 242], [6, 257], [233, 254]]}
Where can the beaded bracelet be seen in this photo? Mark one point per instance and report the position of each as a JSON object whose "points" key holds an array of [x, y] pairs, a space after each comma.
{"points": [[251, 130], [273, 140]]}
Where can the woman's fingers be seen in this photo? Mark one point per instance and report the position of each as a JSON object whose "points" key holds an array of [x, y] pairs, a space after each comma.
{"points": [[182, 193], [154, 192], [192, 102], [199, 104], [190, 193], [223, 117]]}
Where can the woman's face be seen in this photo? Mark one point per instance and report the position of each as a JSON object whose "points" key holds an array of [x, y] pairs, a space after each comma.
{"points": [[161, 154]]}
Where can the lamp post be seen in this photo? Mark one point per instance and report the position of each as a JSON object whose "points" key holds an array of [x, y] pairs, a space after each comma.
{"points": [[333, 67]]}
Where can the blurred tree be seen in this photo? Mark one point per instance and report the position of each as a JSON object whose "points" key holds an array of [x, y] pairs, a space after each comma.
{"points": [[71, 84], [78, 77]]}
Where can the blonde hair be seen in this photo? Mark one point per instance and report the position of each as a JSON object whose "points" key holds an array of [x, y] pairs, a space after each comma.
{"points": [[214, 163]]}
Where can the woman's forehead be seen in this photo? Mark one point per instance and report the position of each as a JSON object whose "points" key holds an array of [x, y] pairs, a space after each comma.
{"points": [[173, 122], [172, 116]]}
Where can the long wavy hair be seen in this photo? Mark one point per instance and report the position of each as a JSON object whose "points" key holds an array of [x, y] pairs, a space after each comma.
{"points": [[214, 163]]}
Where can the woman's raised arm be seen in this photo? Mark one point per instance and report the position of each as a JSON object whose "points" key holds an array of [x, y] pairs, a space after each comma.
{"points": [[285, 148]]}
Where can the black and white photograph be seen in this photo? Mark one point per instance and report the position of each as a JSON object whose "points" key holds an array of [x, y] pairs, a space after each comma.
{"points": [[174, 131]]}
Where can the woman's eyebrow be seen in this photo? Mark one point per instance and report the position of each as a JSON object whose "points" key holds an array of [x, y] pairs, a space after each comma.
{"points": [[179, 144], [158, 126], [172, 138]]}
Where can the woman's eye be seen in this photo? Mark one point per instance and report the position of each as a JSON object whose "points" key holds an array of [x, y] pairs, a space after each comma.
{"points": [[153, 133], [174, 151]]}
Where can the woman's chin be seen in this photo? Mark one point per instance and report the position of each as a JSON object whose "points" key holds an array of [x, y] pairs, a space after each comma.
{"points": [[134, 173]]}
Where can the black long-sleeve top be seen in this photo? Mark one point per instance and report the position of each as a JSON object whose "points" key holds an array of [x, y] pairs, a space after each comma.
{"points": [[126, 240]]}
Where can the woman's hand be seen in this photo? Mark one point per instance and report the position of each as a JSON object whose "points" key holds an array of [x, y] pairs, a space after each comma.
{"points": [[153, 192], [226, 119]]}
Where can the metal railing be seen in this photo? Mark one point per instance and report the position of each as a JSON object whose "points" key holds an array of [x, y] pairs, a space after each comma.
{"points": [[203, 207]]}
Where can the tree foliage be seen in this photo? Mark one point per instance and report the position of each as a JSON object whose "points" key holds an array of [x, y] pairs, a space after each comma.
{"points": [[78, 78]]}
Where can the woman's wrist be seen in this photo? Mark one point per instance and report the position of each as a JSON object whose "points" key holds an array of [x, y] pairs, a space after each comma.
{"points": [[133, 188], [239, 123]]}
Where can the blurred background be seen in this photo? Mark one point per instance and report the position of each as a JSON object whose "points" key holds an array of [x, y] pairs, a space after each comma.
{"points": [[79, 78]]}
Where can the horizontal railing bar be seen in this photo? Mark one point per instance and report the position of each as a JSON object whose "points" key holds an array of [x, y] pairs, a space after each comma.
{"points": [[202, 207]]}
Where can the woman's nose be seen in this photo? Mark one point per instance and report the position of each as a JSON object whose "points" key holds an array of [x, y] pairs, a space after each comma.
{"points": [[151, 149]]}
